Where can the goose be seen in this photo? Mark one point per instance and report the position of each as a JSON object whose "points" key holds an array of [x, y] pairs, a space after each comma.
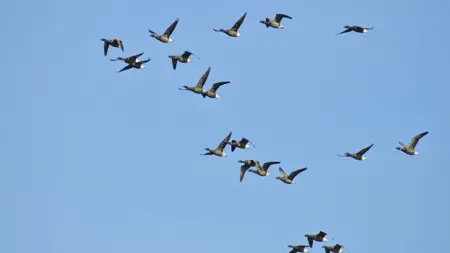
{"points": [[263, 170], [298, 248], [335, 249], [412, 145], [276, 22], [199, 87], [233, 32], [184, 58], [132, 62], [246, 165], [289, 179], [358, 156], [355, 28], [114, 43], [219, 150], [242, 144], [165, 38], [320, 237], [211, 93]]}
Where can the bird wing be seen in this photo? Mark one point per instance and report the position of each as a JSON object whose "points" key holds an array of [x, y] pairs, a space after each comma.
{"points": [[322, 234], [217, 85], [416, 139], [364, 150], [169, 30], [310, 241], [327, 250], [186, 54], [244, 168], [266, 165], [280, 16], [346, 31], [283, 174], [295, 173], [203, 79], [174, 63], [244, 141], [133, 58], [238, 23], [224, 142], [120, 44], [105, 47], [129, 66]]}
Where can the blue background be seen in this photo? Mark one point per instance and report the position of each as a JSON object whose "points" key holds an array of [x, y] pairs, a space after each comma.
{"points": [[96, 161]]}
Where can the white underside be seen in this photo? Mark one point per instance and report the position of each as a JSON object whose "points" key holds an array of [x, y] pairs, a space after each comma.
{"points": [[223, 154], [189, 61], [363, 158], [365, 30], [305, 250], [267, 174], [142, 66], [247, 146], [325, 239], [217, 96], [238, 34], [416, 153], [170, 40]]}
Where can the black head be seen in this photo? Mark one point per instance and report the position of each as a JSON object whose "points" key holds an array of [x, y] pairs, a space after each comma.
{"points": [[103, 39]]}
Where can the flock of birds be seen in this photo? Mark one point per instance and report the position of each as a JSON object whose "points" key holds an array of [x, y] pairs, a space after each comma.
{"points": [[244, 143]]}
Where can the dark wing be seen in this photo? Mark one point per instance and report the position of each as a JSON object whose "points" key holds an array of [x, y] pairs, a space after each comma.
{"points": [[217, 85], [203, 79], [295, 173], [133, 58], [243, 141], [129, 66], [244, 168], [169, 30], [293, 251], [280, 16], [174, 63], [283, 174], [346, 31], [327, 250], [238, 23], [415, 139], [364, 150], [266, 165], [186, 54], [321, 234], [105, 47], [120, 44], [310, 241], [224, 142]]}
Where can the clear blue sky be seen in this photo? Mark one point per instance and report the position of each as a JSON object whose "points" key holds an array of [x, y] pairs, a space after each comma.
{"points": [[88, 159]]}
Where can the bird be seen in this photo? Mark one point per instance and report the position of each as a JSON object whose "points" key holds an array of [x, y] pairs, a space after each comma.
{"points": [[298, 248], [263, 170], [359, 155], [276, 22], [335, 249], [412, 145], [243, 144], [132, 62], [219, 150], [355, 28], [233, 32], [246, 165], [165, 38], [289, 179], [320, 237], [199, 87], [114, 43], [184, 58], [211, 93]]}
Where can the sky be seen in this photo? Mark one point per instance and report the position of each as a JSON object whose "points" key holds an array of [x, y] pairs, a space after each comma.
{"points": [[97, 161]]}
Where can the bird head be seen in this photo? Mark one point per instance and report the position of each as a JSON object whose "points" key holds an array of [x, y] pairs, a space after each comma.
{"points": [[102, 39], [278, 178], [262, 22]]}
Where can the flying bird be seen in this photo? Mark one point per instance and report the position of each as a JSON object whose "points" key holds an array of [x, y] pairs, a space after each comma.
{"points": [[263, 170], [132, 62], [276, 22], [233, 32], [320, 237], [359, 155], [219, 150], [246, 165], [211, 93], [355, 28], [184, 58], [412, 145], [199, 87], [335, 249], [289, 179], [165, 38], [114, 43], [242, 144], [298, 248]]}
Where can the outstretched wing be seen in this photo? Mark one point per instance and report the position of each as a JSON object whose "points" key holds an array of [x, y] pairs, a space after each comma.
{"points": [[295, 173], [310, 241], [244, 168], [364, 150], [105, 47], [224, 142], [203, 79], [347, 30], [415, 139], [266, 165], [120, 44], [283, 174], [133, 58], [321, 234], [238, 23], [129, 66], [244, 141], [186, 54], [327, 250], [280, 16], [169, 30], [217, 85], [174, 63]]}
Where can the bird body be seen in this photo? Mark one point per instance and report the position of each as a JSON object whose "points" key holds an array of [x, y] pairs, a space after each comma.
{"points": [[165, 37], [355, 28], [263, 170], [184, 58], [410, 149], [298, 248], [289, 179], [233, 32], [359, 155], [219, 150], [319, 237], [113, 42], [276, 22]]}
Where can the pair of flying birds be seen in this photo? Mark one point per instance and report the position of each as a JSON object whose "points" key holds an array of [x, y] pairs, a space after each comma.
{"points": [[211, 93], [242, 144], [319, 237], [263, 170], [410, 149]]}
